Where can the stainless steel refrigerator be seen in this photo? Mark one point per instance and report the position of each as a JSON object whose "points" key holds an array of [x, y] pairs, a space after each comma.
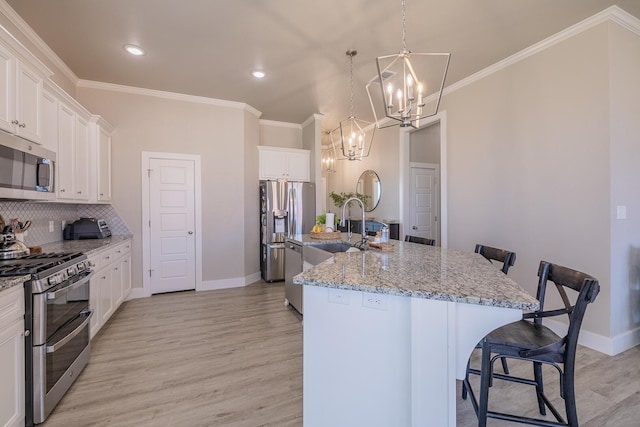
{"points": [[286, 209]]}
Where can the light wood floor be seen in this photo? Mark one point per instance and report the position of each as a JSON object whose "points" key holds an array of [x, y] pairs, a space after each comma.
{"points": [[234, 358]]}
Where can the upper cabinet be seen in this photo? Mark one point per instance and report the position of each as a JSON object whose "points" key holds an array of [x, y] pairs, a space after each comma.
{"points": [[20, 97], [284, 163], [101, 158]]}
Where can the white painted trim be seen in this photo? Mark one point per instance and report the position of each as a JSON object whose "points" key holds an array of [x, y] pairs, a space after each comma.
{"points": [[22, 53], [607, 345], [436, 167], [405, 174], [311, 118], [167, 95], [236, 282], [613, 14], [31, 35], [146, 253], [280, 124], [137, 293]]}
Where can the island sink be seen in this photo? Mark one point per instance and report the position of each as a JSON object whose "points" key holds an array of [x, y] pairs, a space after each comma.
{"points": [[332, 247]]}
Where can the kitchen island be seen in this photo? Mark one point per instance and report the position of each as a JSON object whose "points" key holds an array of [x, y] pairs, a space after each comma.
{"points": [[386, 334]]}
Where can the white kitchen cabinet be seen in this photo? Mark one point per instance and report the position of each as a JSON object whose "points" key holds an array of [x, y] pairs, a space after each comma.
{"points": [[110, 284], [12, 397], [284, 163], [101, 157], [73, 155], [20, 98], [49, 121]]}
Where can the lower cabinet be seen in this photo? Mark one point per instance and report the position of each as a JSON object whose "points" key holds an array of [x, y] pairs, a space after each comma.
{"points": [[12, 357], [111, 283]]}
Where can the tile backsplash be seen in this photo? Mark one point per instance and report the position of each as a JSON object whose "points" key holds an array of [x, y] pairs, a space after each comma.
{"points": [[41, 213]]}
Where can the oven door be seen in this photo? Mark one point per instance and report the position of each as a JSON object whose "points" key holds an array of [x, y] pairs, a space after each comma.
{"points": [[57, 364], [54, 308]]}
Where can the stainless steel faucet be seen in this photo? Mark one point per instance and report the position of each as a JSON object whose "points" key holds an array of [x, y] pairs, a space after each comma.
{"points": [[362, 230]]}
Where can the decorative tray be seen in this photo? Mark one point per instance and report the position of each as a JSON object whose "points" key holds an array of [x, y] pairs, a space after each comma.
{"points": [[381, 246], [324, 235]]}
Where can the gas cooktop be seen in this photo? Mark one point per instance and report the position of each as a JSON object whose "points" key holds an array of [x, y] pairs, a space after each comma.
{"points": [[38, 264]]}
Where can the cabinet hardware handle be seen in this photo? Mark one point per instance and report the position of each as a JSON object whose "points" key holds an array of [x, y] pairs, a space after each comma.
{"points": [[15, 122], [190, 232], [27, 333], [22, 125], [62, 190]]}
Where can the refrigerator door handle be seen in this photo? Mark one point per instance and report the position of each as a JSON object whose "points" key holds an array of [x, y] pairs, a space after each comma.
{"points": [[277, 246]]}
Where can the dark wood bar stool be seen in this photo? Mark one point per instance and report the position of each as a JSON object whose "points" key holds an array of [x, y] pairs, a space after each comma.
{"points": [[508, 260], [531, 341], [421, 240]]}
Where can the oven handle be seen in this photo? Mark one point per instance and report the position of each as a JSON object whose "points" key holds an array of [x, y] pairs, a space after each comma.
{"points": [[55, 347], [59, 292]]}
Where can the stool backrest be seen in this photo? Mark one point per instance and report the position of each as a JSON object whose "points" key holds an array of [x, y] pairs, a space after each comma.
{"points": [[421, 240], [507, 258]]}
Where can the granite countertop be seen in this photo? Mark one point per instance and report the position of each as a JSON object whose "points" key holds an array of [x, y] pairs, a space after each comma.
{"points": [[88, 246], [419, 271], [306, 239], [10, 282]]}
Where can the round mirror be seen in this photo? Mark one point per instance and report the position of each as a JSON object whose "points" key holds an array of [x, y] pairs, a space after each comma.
{"points": [[369, 185]]}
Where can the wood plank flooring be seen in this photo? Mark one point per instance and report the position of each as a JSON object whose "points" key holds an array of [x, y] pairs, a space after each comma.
{"points": [[234, 358]]}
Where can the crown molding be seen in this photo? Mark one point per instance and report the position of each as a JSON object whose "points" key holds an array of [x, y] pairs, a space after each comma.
{"points": [[612, 14], [167, 95], [34, 38], [312, 118], [280, 124]]}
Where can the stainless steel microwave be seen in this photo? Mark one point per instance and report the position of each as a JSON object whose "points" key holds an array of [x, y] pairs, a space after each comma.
{"points": [[26, 169]]}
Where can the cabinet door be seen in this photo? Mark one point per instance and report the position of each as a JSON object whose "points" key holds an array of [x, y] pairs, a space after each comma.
{"points": [[28, 103], [106, 300], [94, 304], [12, 373], [272, 164], [104, 165], [66, 148], [7, 97], [116, 284], [49, 121], [126, 277], [81, 160], [298, 166]]}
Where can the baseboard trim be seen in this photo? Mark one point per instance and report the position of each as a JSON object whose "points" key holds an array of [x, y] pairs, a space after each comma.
{"points": [[236, 282], [137, 293], [607, 345]]}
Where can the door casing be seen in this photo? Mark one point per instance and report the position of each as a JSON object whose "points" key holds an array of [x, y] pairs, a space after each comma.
{"points": [[405, 174], [146, 252]]}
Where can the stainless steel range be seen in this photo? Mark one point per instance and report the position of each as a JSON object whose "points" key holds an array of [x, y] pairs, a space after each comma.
{"points": [[57, 315]]}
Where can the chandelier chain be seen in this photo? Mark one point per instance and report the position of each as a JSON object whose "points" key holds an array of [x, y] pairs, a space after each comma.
{"points": [[351, 78], [404, 32]]}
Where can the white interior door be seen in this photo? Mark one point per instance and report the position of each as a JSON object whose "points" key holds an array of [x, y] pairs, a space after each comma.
{"points": [[424, 202], [172, 225]]}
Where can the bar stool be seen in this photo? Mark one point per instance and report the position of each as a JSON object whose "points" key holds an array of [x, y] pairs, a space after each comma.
{"points": [[508, 260], [421, 240], [531, 341]]}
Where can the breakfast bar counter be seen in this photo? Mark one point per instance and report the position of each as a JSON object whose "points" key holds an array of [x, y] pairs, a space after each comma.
{"points": [[386, 333]]}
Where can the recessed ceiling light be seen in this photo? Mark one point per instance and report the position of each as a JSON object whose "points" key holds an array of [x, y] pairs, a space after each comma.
{"points": [[258, 74], [134, 50]]}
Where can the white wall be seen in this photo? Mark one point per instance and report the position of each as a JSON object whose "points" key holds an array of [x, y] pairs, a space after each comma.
{"points": [[625, 181], [280, 134], [425, 145], [147, 123]]}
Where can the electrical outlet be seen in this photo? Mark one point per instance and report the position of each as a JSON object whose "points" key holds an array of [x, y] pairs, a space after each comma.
{"points": [[339, 296], [377, 301], [50, 226]]}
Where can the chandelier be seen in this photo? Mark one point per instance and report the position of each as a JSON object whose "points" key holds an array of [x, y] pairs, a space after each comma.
{"points": [[328, 157], [408, 86], [351, 135]]}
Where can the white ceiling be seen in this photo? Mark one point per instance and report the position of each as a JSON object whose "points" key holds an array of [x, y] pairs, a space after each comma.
{"points": [[208, 47]]}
